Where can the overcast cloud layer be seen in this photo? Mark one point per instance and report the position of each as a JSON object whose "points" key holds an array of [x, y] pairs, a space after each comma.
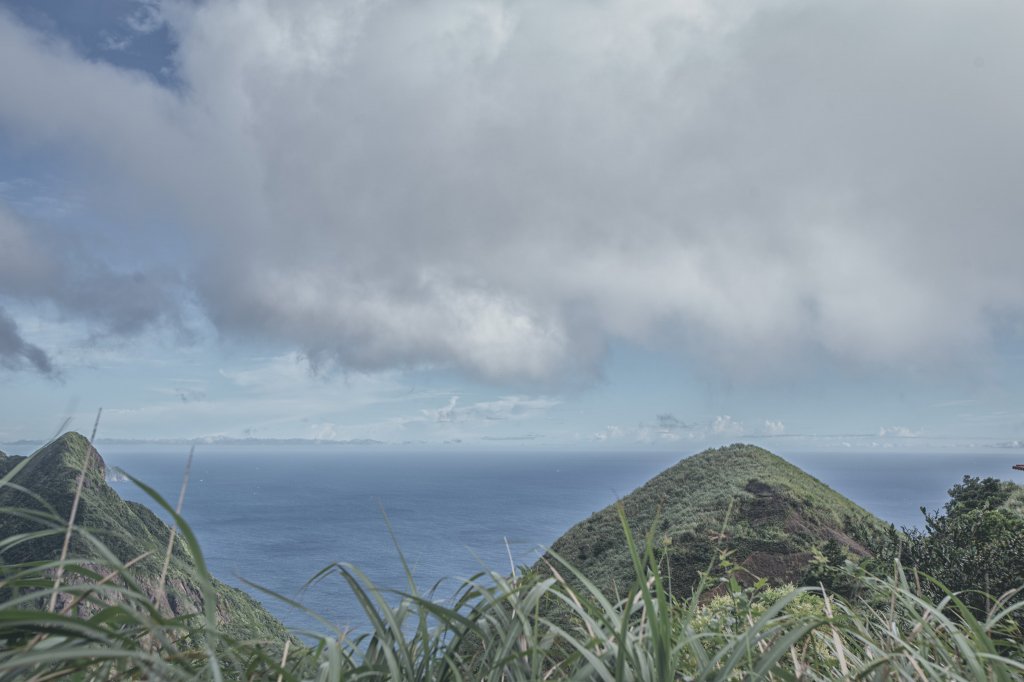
{"points": [[505, 187]]}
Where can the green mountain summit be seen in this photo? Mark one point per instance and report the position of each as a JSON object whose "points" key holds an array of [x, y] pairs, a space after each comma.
{"points": [[128, 529], [768, 514]]}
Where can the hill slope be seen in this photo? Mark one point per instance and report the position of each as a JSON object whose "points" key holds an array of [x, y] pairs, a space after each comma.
{"points": [[128, 529], [778, 515]]}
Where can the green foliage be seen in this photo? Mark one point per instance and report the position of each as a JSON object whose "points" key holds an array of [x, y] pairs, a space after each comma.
{"points": [[828, 569], [976, 494], [730, 615], [975, 548]]}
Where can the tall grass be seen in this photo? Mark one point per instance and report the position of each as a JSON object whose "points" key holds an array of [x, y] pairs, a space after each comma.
{"points": [[534, 625]]}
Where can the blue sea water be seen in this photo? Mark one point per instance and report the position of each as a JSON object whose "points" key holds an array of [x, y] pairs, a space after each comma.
{"points": [[274, 516]]}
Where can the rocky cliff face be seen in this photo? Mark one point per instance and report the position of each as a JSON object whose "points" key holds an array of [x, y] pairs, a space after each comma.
{"points": [[130, 531]]}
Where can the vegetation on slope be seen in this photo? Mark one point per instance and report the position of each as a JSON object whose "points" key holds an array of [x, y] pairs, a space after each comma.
{"points": [[768, 514], [975, 545], [44, 489]]}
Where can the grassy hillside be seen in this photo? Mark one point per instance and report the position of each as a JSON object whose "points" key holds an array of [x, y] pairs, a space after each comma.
{"points": [[47, 481], [741, 498]]}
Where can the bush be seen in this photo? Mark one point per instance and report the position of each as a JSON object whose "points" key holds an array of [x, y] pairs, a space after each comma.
{"points": [[976, 547]]}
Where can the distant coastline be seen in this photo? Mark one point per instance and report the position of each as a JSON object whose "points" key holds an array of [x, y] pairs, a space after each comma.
{"points": [[212, 440]]}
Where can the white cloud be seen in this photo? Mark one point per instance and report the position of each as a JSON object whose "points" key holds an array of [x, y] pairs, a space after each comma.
{"points": [[506, 187], [774, 427], [323, 431], [647, 434], [726, 425], [610, 433], [146, 17], [506, 408], [446, 413], [898, 432]]}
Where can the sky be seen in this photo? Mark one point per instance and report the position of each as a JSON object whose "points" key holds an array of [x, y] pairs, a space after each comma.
{"points": [[514, 223]]}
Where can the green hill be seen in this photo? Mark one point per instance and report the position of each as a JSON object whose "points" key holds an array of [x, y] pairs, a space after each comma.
{"points": [[769, 513], [128, 529]]}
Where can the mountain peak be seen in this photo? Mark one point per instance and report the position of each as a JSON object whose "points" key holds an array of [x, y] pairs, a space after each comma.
{"points": [[129, 531], [61, 461], [768, 512]]}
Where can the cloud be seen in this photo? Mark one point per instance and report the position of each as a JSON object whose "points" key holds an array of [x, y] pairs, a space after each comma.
{"points": [[612, 433], [669, 429], [506, 188], [189, 394], [16, 353], [506, 408], [40, 265], [898, 432], [446, 413], [145, 17], [670, 422], [324, 431], [511, 407], [726, 425]]}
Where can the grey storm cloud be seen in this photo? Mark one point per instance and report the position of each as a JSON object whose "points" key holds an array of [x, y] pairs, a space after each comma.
{"points": [[670, 422], [16, 353], [506, 187], [39, 265]]}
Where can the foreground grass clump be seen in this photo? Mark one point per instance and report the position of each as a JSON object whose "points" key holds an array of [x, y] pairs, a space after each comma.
{"points": [[496, 629]]}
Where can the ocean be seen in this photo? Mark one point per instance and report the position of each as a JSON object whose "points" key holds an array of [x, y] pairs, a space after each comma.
{"points": [[274, 516]]}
